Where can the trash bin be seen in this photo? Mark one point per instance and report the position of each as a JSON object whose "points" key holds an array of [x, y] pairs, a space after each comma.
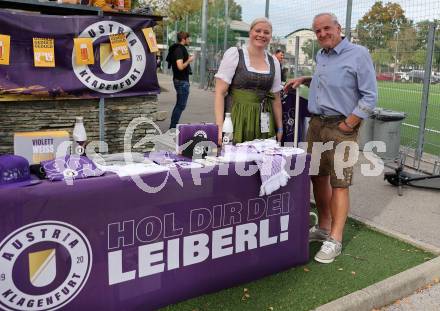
{"points": [[387, 129], [366, 131]]}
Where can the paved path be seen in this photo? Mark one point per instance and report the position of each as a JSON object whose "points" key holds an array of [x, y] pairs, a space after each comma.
{"points": [[200, 106], [415, 215], [427, 299]]}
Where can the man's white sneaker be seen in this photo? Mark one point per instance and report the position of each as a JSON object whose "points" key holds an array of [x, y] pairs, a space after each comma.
{"points": [[317, 234], [330, 249]]}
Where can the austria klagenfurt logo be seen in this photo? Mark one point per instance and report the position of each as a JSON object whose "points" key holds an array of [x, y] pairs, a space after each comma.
{"points": [[108, 75], [201, 133], [43, 266]]}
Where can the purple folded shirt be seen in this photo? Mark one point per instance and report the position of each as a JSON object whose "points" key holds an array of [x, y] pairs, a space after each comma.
{"points": [[70, 167]]}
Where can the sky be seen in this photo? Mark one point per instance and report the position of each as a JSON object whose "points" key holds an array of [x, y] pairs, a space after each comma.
{"points": [[290, 15]]}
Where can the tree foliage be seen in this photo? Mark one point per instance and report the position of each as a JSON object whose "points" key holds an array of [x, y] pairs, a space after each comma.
{"points": [[418, 58], [422, 29], [184, 14], [393, 39], [309, 48], [179, 9], [403, 45], [380, 24], [381, 58]]}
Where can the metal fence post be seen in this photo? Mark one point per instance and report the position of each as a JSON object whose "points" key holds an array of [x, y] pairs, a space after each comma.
{"points": [[203, 43], [101, 113], [166, 51], [396, 61], [296, 56], [348, 19], [101, 119], [266, 11], [425, 94], [225, 42], [216, 31]]}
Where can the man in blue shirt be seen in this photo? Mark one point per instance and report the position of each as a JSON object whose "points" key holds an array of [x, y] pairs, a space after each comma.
{"points": [[343, 91]]}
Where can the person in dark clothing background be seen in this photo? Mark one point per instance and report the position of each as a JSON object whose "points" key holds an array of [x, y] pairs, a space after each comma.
{"points": [[179, 60], [159, 63], [279, 54]]}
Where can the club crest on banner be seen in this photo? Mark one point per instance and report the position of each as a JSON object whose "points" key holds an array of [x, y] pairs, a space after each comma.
{"points": [[43, 266], [201, 133], [108, 75]]}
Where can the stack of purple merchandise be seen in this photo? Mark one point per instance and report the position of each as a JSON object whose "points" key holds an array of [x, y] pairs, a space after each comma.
{"points": [[70, 167]]}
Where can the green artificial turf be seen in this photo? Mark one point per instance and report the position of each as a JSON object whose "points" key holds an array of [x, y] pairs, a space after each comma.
{"points": [[367, 258]]}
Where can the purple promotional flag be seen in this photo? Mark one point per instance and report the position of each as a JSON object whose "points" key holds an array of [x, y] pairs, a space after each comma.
{"points": [[106, 78]]}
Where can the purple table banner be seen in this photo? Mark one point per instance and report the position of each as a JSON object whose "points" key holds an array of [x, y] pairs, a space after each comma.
{"points": [[21, 80], [104, 244]]}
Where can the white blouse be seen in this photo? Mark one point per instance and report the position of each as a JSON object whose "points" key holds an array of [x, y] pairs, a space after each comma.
{"points": [[229, 64]]}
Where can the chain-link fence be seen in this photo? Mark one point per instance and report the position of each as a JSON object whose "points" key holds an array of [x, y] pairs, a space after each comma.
{"points": [[223, 31], [396, 34]]}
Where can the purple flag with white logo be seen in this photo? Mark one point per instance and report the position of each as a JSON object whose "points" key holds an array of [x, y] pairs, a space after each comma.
{"points": [[107, 77]]}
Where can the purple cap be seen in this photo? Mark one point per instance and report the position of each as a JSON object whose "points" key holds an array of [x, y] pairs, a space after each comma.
{"points": [[14, 172], [70, 167]]}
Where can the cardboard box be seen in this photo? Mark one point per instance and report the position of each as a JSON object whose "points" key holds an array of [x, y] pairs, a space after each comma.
{"points": [[41, 145]]}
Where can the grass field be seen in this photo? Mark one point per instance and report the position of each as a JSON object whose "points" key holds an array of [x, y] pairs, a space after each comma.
{"points": [[407, 97], [367, 257]]}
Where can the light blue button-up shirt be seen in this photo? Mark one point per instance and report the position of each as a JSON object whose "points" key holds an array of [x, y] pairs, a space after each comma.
{"points": [[344, 82]]}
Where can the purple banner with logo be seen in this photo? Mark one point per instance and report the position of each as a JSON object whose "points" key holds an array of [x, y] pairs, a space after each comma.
{"points": [[104, 244], [107, 77]]}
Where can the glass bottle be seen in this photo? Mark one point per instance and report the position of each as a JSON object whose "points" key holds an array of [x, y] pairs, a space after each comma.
{"points": [[79, 136], [228, 129]]}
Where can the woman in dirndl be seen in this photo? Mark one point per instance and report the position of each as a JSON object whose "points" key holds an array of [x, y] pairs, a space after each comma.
{"points": [[248, 84]]}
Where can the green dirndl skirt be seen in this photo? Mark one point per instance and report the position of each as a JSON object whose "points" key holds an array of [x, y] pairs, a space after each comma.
{"points": [[245, 114]]}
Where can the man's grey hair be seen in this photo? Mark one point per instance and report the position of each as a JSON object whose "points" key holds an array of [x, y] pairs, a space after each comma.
{"points": [[261, 20], [332, 16]]}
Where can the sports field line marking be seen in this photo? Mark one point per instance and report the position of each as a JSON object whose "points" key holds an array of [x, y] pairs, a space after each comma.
{"points": [[416, 126], [407, 91]]}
